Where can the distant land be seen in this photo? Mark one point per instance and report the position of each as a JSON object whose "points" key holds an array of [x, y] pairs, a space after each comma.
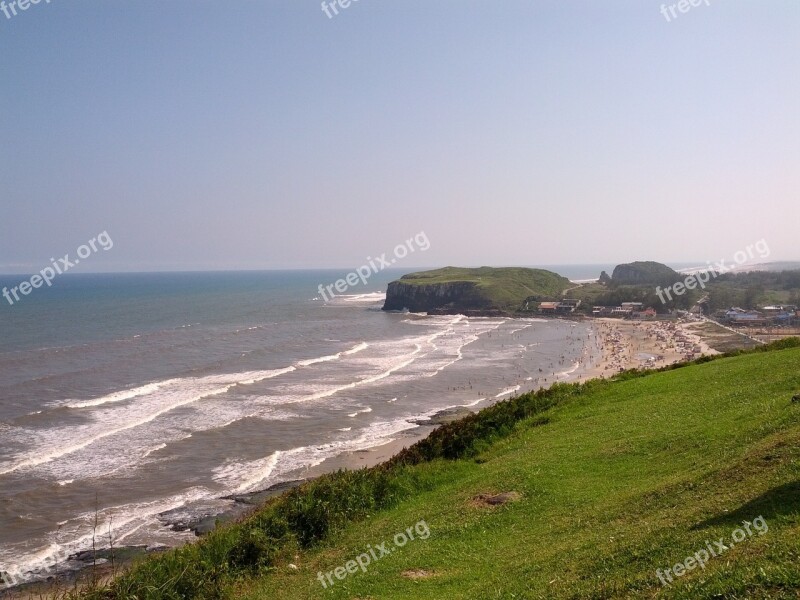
{"points": [[520, 290], [454, 289], [642, 272]]}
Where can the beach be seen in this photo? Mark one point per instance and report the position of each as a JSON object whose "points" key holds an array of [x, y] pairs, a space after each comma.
{"points": [[486, 360], [150, 433], [645, 344]]}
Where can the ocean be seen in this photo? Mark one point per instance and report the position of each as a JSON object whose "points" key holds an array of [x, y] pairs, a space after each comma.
{"points": [[130, 401]]}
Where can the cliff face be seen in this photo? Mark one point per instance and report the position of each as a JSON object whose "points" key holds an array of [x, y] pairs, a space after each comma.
{"points": [[456, 295]]}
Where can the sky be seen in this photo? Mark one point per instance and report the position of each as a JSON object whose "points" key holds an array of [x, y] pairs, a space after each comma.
{"points": [[266, 135]]}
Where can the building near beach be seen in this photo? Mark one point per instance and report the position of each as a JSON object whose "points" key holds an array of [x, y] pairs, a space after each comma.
{"points": [[548, 307]]}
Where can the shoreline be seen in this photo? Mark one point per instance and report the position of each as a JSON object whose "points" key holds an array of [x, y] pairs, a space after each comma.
{"points": [[614, 345]]}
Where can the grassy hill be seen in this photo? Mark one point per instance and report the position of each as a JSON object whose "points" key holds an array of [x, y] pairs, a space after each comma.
{"points": [[483, 288], [606, 483]]}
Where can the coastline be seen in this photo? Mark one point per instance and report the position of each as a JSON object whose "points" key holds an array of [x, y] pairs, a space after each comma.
{"points": [[620, 345], [616, 345]]}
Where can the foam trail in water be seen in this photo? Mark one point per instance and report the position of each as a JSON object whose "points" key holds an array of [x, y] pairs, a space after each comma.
{"points": [[330, 357], [81, 530], [360, 412], [169, 396], [367, 380], [240, 477], [121, 395], [508, 391]]}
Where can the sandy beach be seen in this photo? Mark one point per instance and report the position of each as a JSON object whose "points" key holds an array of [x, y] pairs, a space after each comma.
{"points": [[644, 344]]}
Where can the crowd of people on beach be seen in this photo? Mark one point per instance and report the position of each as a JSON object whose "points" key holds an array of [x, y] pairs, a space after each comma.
{"points": [[627, 345], [610, 347]]}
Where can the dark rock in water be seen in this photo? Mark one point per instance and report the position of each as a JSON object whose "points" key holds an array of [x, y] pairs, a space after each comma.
{"points": [[445, 416], [122, 553], [38, 583], [208, 524], [204, 522], [241, 504], [260, 497]]}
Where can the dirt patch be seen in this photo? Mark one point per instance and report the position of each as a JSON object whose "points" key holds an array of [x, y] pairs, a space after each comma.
{"points": [[486, 500], [417, 574]]}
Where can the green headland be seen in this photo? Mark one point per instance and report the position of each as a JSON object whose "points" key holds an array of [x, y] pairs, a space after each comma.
{"points": [[484, 288]]}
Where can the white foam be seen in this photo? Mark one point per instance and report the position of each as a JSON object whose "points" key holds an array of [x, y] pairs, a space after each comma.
{"points": [[471, 404], [154, 449], [330, 357], [120, 396], [122, 521], [256, 376], [519, 329], [367, 380], [508, 391], [163, 397], [360, 412], [321, 359], [240, 477], [41, 458], [370, 297], [357, 348], [246, 476], [568, 371]]}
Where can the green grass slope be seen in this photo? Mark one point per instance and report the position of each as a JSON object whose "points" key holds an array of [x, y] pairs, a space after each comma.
{"points": [[612, 480], [629, 478]]}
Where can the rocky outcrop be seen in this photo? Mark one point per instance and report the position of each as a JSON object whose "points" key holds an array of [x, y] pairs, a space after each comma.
{"points": [[443, 297], [643, 272]]}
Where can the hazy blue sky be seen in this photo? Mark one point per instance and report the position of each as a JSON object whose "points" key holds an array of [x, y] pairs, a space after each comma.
{"points": [[266, 135]]}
